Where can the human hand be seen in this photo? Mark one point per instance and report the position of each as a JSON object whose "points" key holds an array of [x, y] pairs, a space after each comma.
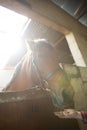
{"points": [[69, 113]]}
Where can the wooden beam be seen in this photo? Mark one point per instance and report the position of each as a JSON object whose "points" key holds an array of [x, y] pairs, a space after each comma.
{"points": [[29, 12], [51, 11], [29, 94], [59, 40]]}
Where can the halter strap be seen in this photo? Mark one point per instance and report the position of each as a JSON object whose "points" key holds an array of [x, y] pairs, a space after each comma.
{"points": [[42, 79], [38, 72], [52, 73]]}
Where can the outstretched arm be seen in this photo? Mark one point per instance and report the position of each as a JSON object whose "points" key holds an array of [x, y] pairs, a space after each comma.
{"points": [[72, 114]]}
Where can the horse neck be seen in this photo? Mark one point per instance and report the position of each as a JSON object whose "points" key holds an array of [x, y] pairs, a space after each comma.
{"points": [[22, 80], [29, 70], [25, 68]]}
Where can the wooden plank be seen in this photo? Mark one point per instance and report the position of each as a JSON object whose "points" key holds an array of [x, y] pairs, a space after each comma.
{"points": [[20, 8], [29, 94]]}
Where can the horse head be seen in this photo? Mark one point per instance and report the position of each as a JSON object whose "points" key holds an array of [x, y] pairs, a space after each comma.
{"points": [[45, 60], [44, 55]]}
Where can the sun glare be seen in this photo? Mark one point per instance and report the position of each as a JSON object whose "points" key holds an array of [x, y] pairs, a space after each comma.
{"points": [[12, 25], [10, 21], [9, 45]]}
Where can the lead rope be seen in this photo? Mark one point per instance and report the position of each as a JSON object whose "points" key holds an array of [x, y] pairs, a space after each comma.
{"points": [[39, 75]]}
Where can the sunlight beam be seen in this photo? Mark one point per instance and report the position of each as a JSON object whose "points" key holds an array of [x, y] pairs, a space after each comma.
{"points": [[12, 28]]}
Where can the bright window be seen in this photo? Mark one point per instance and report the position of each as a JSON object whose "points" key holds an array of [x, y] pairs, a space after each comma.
{"points": [[12, 27]]}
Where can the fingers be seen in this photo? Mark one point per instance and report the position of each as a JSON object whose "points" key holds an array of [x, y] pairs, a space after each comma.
{"points": [[67, 113], [60, 114], [69, 110]]}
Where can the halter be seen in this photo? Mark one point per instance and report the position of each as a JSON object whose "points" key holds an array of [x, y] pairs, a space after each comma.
{"points": [[44, 85], [44, 80]]}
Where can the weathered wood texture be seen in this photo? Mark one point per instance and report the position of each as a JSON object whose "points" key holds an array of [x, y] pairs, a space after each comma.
{"points": [[28, 94], [33, 114]]}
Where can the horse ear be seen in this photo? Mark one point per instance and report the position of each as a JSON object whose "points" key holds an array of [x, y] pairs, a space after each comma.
{"points": [[29, 45]]}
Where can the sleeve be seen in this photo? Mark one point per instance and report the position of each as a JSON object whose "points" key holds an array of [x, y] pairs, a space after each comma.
{"points": [[84, 116]]}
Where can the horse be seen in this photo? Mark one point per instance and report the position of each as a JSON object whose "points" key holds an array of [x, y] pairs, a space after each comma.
{"points": [[40, 68]]}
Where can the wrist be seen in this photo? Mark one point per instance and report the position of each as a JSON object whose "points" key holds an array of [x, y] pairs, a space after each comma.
{"points": [[78, 115]]}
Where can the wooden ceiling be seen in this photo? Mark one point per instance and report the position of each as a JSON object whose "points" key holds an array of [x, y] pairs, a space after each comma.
{"points": [[40, 27]]}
